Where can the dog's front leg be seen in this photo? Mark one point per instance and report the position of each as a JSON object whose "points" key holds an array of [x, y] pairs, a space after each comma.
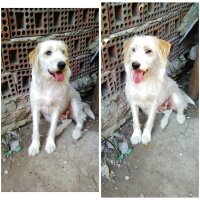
{"points": [[50, 143], [35, 145], [146, 136], [136, 137]]}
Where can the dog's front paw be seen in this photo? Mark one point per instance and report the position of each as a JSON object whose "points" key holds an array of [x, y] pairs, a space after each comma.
{"points": [[50, 146], [76, 134], [34, 148], [146, 136], [136, 137]]}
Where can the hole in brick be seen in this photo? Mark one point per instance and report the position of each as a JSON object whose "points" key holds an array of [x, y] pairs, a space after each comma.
{"points": [[4, 88], [6, 35], [19, 20], [85, 15], [177, 23], [5, 29], [71, 18], [123, 77], [150, 7], [155, 32], [3, 14], [118, 14], [167, 28], [104, 89], [82, 66], [13, 56], [4, 22], [56, 19], [135, 9], [25, 81], [76, 45], [163, 5], [88, 41], [96, 15], [38, 20], [112, 53]]}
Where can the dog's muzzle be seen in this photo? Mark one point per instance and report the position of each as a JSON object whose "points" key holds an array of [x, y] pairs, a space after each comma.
{"points": [[61, 65], [135, 65], [58, 75]]}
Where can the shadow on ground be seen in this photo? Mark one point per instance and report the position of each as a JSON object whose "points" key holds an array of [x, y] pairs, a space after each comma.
{"points": [[73, 167], [167, 167]]}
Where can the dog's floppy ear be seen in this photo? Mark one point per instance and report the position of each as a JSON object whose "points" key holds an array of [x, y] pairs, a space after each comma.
{"points": [[126, 48], [33, 58], [164, 47]]}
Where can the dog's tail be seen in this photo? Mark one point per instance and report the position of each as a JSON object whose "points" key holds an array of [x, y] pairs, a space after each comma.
{"points": [[187, 98], [88, 111]]}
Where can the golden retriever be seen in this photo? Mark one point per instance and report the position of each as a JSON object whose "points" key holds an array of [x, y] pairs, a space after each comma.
{"points": [[148, 87], [52, 94]]}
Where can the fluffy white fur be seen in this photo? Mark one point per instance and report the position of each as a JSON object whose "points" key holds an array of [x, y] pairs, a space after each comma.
{"points": [[52, 95], [155, 87]]}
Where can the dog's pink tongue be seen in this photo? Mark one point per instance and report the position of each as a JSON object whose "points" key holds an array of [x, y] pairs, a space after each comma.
{"points": [[59, 76], [137, 76]]}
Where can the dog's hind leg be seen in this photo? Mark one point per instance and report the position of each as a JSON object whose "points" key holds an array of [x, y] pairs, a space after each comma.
{"points": [[79, 116], [180, 117], [180, 105], [62, 126], [164, 121]]}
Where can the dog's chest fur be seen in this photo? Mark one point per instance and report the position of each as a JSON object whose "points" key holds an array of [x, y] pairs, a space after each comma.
{"points": [[144, 94], [49, 95]]}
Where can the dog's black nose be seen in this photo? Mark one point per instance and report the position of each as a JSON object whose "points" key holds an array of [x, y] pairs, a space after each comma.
{"points": [[135, 65], [61, 65]]}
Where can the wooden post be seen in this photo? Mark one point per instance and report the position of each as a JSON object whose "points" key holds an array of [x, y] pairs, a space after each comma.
{"points": [[95, 99], [194, 79]]}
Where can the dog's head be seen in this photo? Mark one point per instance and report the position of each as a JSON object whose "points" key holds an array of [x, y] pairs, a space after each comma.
{"points": [[145, 55], [50, 58]]}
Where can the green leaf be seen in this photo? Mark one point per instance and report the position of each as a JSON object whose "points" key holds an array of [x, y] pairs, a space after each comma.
{"points": [[129, 151], [115, 143], [18, 149], [9, 153], [120, 157]]}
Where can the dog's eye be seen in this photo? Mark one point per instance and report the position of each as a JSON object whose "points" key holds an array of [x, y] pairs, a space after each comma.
{"points": [[148, 51], [133, 49], [48, 53], [62, 51]]}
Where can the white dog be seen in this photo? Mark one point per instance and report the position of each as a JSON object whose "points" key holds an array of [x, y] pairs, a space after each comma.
{"points": [[148, 87], [52, 95]]}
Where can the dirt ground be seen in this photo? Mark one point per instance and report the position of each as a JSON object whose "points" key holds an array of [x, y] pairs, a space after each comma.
{"points": [[167, 167], [74, 166]]}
